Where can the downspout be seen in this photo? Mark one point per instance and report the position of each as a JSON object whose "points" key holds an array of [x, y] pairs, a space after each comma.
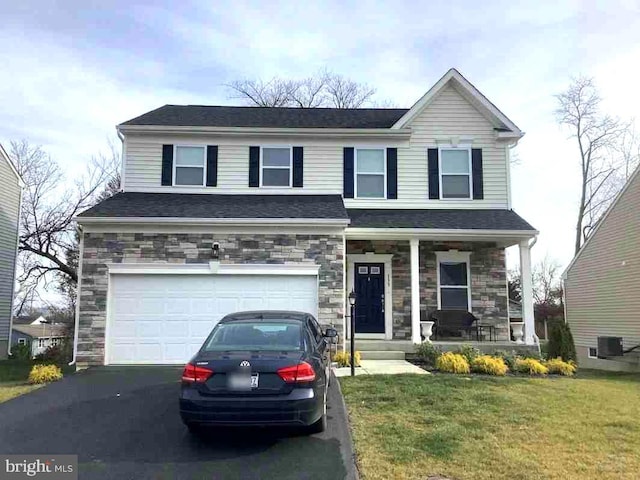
{"points": [[78, 292], [15, 269]]}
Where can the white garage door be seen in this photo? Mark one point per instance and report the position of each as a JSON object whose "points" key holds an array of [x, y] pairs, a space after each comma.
{"points": [[164, 319]]}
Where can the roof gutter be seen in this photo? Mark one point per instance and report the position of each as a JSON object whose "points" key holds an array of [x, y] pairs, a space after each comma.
{"points": [[400, 134], [437, 233]]}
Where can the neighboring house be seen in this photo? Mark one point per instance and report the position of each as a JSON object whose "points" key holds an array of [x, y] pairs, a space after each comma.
{"points": [[40, 337], [10, 197], [602, 284], [243, 208], [39, 321]]}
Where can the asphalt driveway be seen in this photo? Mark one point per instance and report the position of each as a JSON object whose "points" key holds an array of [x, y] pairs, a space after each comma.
{"points": [[123, 423]]}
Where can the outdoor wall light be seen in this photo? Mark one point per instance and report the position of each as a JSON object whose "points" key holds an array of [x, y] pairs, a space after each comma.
{"points": [[215, 251], [352, 298]]}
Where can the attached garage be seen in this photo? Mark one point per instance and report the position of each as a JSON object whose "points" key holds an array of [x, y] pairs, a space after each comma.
{"points": [[163, 318]]}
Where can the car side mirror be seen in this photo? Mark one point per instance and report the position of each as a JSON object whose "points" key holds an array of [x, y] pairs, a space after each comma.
{"points": [[330, 333]]}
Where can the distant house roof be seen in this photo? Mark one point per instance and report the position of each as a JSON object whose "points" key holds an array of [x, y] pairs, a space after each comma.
{"points": [[269, 117], [41, 331], [484, 219], [181, 205]]}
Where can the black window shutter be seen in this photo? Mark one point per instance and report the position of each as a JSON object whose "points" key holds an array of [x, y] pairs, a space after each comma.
{"points": [[212, 165], [254, 166], [434, 174], [476, 170], [348, 172], [167, 165], [298, 168], [392, 173]]}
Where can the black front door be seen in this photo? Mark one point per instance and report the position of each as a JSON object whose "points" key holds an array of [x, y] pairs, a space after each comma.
{"points": [[369, 288]]}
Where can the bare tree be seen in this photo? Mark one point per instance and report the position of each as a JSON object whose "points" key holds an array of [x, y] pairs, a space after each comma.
{"points": [[628, 148], [345, 93], [596, 135], [48, 242], [324, 89]]}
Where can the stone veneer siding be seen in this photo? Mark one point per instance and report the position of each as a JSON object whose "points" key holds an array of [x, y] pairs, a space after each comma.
{"points": [[489, 295], [101, 249]]}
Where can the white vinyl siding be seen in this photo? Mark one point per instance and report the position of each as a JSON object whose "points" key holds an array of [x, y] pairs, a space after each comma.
{"points": [[601, 287], [448, 116], [9, 213]]}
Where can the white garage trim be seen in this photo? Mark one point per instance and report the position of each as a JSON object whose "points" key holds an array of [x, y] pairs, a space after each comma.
{"points": [[214, 268], [210, 269]]}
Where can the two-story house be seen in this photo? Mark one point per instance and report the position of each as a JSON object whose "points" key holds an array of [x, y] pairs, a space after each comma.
{"points": [[10, 198], [241, 208]]}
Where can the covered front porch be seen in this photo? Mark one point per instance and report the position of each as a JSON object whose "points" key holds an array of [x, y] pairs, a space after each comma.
{"points": [[400, 277]]}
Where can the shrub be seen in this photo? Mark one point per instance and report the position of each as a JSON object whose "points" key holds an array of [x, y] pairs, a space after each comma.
{"points": [[21, 351], [45, 374], [561, 341], [531, 366], [57, 354], [428, 353], [509, 358], [469, 352], [343, 359], [560, 367], [452, 363], [489, 365]]}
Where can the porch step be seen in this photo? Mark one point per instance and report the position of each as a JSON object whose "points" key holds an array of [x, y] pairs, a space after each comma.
{"points": [[381, 355], [383, 345]]}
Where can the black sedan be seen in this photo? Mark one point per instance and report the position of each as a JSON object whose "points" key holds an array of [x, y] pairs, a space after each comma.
{"points": [[259, 368]]}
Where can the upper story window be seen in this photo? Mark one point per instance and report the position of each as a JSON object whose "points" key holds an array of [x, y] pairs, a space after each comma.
{"points": [[276, 168], [455, 173], [370, 172], [189, 166]]}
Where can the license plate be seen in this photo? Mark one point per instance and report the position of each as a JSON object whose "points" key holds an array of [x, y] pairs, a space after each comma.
{"points": [[242, 381]]}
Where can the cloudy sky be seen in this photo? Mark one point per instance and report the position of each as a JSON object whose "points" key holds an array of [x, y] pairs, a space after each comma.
{"points": [[72, 70]]}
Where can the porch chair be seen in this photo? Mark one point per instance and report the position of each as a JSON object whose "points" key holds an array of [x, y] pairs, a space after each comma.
{"points": [[454, 323]]}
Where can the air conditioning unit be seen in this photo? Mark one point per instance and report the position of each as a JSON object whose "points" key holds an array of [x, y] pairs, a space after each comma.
{"points": [[609, 347]]}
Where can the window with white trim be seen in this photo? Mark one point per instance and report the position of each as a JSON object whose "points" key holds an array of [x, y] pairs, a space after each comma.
{"points": [[22, 341], [276, 166], [370, 172], [454, 286], [42, 342], [55, 341], [455, 173], [593, 352], [189, 166]]}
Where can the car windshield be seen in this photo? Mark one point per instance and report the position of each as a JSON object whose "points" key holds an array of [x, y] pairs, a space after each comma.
{"points": [[271, 335]]}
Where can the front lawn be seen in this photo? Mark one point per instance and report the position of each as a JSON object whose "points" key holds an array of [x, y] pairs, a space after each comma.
{"points": [[13, 378], [479, 427]]}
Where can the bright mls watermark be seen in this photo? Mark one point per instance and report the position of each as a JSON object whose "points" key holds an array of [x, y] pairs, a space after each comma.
{"points": [[51, 467]]}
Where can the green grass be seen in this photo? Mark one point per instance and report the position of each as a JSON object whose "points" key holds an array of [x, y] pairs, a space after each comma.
{"points": [[480, 427], [13, 378]]}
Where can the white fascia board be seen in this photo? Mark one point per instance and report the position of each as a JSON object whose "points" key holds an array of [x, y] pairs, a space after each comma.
{"points": [[338, 222], [387, 133], [469, 91], [213, 268], [438, 234], [5, 155]]}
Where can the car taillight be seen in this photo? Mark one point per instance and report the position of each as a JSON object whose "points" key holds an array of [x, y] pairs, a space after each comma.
{"points": [[303, 372], [193, 373]]}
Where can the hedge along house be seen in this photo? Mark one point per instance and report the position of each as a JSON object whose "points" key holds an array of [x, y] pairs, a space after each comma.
{"points": [[241, 208]]}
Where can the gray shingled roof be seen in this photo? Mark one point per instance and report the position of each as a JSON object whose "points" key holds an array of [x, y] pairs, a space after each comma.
{"points": [[37, 331], [438, 218], [268, 117], [133, 204]]}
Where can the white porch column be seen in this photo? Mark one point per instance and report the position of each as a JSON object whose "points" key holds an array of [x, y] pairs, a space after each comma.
{"points": [[527, 292], [415, 291]]}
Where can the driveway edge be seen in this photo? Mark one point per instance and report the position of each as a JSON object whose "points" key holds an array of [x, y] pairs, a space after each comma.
{"points": [[348, 451]]}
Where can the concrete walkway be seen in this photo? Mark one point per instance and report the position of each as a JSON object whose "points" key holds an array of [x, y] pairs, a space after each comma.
{"points": [[381, 367]]}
